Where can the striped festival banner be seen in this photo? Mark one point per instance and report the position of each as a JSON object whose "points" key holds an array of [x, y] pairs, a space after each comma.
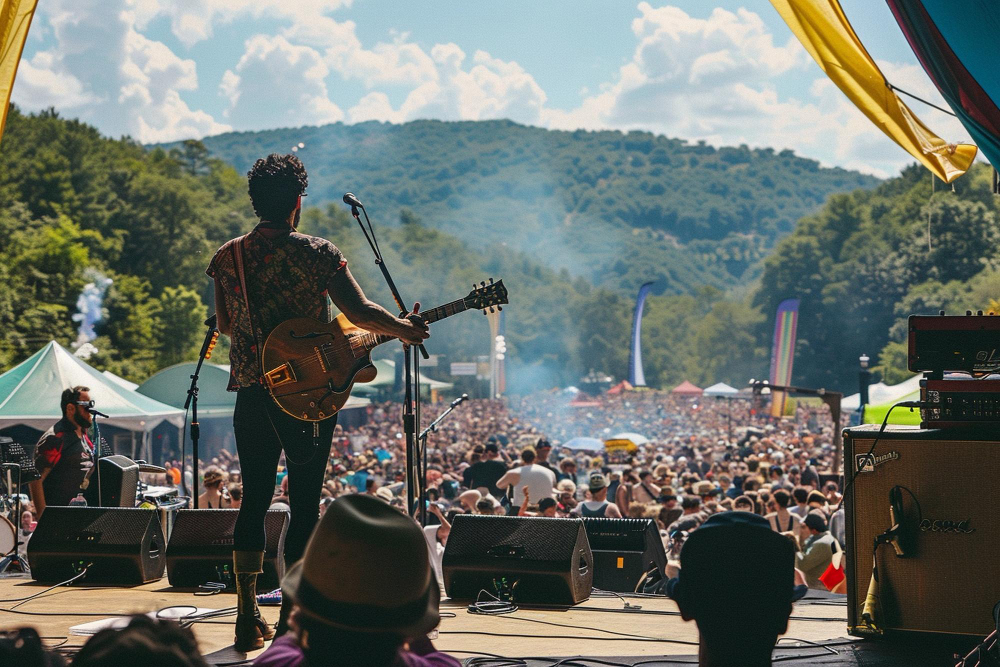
{"points": [[783, 353]]}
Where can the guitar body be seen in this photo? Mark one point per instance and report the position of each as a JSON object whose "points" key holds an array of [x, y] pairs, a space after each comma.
{"points": [[310, 367]]}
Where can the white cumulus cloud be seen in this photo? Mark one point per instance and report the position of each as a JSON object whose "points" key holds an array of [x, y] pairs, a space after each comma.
{"points": [[278, 84], [715, 79], [105, 71]]}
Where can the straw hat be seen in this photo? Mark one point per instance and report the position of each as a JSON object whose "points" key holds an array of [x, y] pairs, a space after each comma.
{"points": [[366, 569]]}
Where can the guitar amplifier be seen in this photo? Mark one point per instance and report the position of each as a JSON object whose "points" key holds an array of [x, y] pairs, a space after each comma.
{"points": [[945, 495], [624, 550], [959, 402]]}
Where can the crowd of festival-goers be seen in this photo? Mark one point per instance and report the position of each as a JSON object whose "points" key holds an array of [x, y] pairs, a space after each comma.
{"points": [[708, 471]]}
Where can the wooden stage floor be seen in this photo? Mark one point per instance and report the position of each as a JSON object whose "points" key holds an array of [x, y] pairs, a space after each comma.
{"points": [[597, 627]]}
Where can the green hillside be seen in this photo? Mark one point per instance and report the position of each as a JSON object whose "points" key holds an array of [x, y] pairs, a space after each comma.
{"points": [[870, 258], [73, 203], [617, 209]]}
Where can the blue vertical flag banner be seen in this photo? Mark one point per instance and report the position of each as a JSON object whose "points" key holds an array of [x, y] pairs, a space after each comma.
{"points": [[783, 353], [635, 375]]}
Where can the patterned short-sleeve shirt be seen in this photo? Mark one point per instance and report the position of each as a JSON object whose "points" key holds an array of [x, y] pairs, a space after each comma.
{"points": [[287, 275]]}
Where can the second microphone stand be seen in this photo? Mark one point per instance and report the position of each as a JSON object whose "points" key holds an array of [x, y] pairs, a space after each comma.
{"points": [[411, 371], [422, 458]]}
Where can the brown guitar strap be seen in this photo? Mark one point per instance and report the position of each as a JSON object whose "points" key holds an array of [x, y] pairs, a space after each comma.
{"points": [[238, 261]]}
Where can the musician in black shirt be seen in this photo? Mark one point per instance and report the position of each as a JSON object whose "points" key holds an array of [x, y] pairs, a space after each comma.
{"points": [[64, 456]]}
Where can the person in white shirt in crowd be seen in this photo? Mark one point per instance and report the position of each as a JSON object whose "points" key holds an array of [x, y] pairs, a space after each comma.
{"points": [[539, 480]]}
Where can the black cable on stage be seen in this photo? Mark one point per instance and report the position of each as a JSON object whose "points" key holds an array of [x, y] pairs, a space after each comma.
{"points": [[69, 581], [493, 607], [610, 632], [881, 430], [573, 637]]}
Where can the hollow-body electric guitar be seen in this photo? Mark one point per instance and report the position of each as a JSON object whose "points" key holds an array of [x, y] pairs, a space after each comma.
{"points": [[310, 367]]}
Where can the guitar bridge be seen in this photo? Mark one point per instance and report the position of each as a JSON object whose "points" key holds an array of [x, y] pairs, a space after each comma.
{"points": [[283, 374]]}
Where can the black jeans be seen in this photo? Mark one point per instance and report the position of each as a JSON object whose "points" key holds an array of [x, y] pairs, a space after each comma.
{"points": [[262, 431]]}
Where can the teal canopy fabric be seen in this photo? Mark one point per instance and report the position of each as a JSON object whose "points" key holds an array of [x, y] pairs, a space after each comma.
{"points": [[956, 45], [29, 393], [386, 379], [171, 385]]}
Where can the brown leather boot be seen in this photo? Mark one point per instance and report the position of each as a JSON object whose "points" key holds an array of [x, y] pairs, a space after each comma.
{"points": [[251, 629]]}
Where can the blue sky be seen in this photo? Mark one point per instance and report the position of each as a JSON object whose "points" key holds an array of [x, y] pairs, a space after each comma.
{"points": [[726, 72]]}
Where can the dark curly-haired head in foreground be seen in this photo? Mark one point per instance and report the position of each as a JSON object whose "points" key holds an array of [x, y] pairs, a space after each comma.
{"points": [[275, 183]]}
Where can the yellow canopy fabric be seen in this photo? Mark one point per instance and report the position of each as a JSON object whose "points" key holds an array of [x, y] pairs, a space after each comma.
{"points": [[620, 446], [829, 38], [15, 19]]}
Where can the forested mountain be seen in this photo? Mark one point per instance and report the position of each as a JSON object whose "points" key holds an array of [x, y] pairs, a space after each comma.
{"points": [[74, 204], [617, 209]]}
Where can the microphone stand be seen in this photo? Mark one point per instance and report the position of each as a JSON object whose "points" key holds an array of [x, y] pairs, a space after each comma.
{"points": [[192, 402], [432, 428], [411, 376]]}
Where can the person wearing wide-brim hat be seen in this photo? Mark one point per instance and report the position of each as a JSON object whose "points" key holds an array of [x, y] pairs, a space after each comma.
{"points": [[364, 588]]}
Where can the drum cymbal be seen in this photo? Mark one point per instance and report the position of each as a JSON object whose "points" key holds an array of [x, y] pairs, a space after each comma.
{"points": [[149, 467]]}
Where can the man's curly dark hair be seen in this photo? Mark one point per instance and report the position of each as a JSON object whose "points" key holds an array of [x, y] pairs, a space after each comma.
{"points": [[275, 183]]}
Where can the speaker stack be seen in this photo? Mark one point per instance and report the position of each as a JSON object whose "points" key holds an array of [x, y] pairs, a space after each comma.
{"points": [[948, 578], [544, 561], [201, 547], [921, 503], [117, 545], [624, 551]]}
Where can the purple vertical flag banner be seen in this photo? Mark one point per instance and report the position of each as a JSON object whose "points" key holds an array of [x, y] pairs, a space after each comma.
{"points": [[783, 353], [635, 375]]}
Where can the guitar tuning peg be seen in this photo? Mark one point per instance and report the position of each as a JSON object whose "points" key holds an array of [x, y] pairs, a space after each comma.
{"points": [[482, 283], [499, 308], [491, 309], [491, 281]]}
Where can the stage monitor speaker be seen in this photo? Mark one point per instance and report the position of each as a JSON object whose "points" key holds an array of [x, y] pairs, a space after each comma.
{"points": [[201, 548], [943, 487], [545, 561], [118, 545], [624, 550], [117, 479]]}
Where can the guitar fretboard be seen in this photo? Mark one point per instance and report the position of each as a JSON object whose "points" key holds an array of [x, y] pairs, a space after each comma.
{"points": [[371, 340]]}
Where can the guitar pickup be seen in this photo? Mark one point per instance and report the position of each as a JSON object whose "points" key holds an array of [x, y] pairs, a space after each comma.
{"points": [[283, 374]]}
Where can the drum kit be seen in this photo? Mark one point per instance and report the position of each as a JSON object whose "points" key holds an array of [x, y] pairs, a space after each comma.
{"points": [[14, 464]]}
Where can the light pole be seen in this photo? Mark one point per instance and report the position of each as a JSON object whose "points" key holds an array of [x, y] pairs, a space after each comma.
{"points": [[864, 377]]}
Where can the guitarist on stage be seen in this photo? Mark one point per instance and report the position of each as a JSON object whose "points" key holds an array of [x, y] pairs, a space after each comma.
{"points": [[287, 275]]}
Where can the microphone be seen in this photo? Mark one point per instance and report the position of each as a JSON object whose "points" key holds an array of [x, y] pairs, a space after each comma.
{"points": [[212, 321], [351, 200], [458, 401], [900, 535], [95, 411]]}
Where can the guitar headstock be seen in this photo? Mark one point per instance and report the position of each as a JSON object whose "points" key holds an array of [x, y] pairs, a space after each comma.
{"points": [[485, 296]]}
